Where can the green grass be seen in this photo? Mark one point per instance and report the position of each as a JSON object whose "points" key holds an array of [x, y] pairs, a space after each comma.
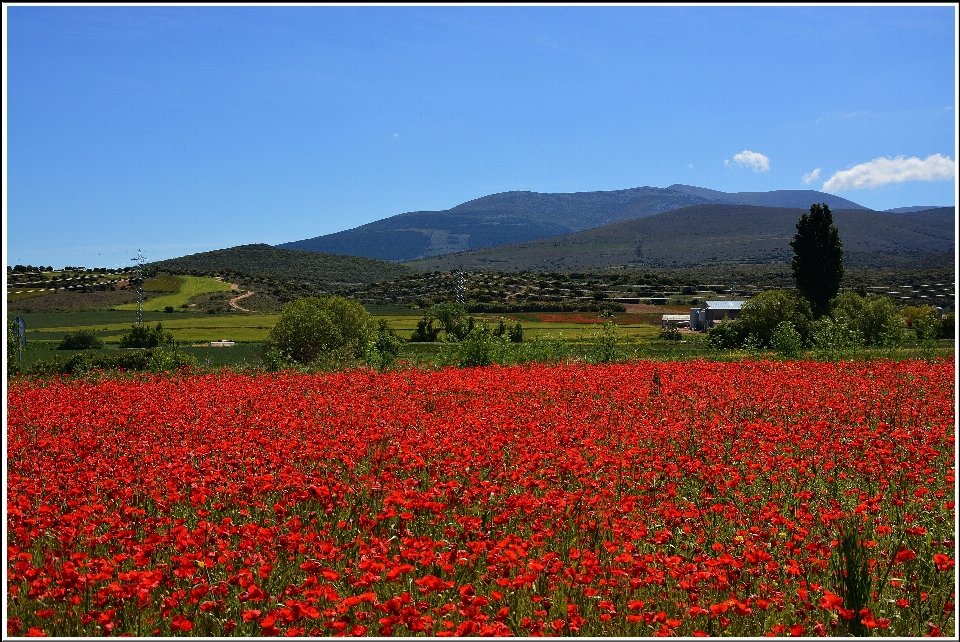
{"points": [[191, 287], [13, 294], [163, 283]]}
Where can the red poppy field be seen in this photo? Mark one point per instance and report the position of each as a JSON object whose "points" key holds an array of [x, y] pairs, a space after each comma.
{"points": [[642, 499]]}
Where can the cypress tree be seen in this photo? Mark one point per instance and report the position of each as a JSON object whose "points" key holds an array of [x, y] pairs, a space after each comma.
{"points": [[817, 258]]}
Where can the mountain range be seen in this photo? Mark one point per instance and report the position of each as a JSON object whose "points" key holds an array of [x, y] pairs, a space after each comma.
{"points": [[514, 217], [720, 234]]}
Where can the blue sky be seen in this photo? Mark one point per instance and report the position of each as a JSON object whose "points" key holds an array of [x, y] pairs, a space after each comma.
{"points": [[184, 129]]}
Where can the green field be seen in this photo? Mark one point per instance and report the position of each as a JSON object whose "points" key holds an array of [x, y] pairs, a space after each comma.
{"points": [[163, 283], [191, 287], [192, 327], [16, 295]]}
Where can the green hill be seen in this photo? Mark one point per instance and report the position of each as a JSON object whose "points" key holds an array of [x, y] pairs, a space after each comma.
{"points": [[331, 271]]}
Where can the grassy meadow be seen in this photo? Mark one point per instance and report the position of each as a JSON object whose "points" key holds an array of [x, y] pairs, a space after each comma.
{"points": [[191, 287]]}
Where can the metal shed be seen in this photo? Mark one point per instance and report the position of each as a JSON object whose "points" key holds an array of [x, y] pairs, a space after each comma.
{"points": [[713, 311]]}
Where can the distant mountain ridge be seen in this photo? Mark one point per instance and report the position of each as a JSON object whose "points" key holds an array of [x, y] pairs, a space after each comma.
{"points": [[715, 234], [800, 198], [517, 217]]}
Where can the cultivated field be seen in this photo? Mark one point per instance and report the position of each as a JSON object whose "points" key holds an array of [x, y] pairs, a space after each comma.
{"points": [[642, 499], [192, 286]]}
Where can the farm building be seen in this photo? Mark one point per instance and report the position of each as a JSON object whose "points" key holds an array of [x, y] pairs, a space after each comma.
{"points": [[706, 317], [675, 321]]}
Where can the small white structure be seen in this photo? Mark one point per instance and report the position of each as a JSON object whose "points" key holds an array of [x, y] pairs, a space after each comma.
{"points": [[706, 317], [222, 343], [675, 321]]}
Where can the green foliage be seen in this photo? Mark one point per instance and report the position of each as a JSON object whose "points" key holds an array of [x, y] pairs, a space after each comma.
{"points": [[670, 333], [142, 336], [152, 359], [384, 348], [425, 331], [452, 318], [948, 324], [835, 340], [80, 340], [275, 360], [875, 317], [726, 336], [761, 315], [13, 345], [928, 334], [913, 312], [851, 573], [818, 258], [161, 360], [786, 341], [608, 341], [516, 333], [483, 347], [327, 329], [477, 348]]}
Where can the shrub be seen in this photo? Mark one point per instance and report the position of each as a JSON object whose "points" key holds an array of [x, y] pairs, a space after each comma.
{"points": [[948, 324], [786, 341], [670, 333], [425, 331], [875, 317], [312, 329], [761, 315], [607, 342], [728, 335], [384, 348], [155, 359], [141, 336], [516, 333], [477, 347], [13, 345], [911, 313], [835, 340], [80, 340]]}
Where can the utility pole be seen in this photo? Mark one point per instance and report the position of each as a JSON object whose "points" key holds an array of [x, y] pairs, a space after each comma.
{"points": [[460, 282], [138, 279]]}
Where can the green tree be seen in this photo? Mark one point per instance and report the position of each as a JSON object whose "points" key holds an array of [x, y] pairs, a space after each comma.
{"points": [[142, 336], [817, 258], [80, 340], [329, 328], [452, 318], [425, 330]]}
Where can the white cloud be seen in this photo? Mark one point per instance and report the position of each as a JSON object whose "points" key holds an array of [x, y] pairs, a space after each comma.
{"points": [[812, 176], [690, 165], [881, 171], [754, 160]]}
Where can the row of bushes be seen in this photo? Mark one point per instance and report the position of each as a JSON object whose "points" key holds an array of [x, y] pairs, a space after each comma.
{"points": [[151, 359], [780, 318], [140, 336]]}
